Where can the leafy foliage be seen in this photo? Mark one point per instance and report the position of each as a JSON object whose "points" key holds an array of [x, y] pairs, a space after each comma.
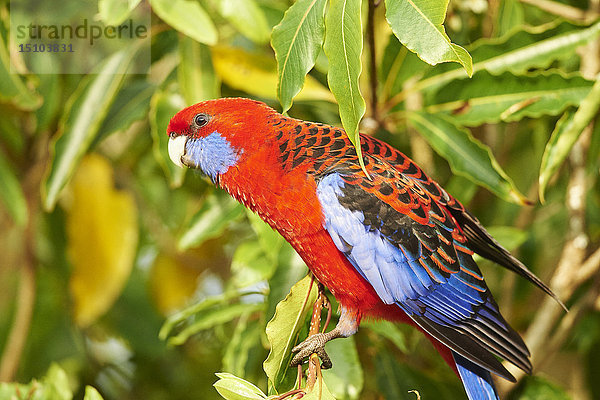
{"points": [[418, 25], [297, 41], [53, 386], [466, 155], [123, 277]]}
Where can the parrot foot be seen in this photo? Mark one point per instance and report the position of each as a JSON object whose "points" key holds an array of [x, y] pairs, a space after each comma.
{"points": [[346, 326], [316, 344], [313, 344]]}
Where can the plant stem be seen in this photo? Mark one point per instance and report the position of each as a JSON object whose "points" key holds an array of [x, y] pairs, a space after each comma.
{"points": [[17, 337], [315, 327], [20, 327], [563, 10], [372, 60]]}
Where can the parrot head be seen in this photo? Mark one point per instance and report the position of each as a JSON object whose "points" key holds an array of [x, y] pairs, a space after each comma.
{"points": [[215, 135]]}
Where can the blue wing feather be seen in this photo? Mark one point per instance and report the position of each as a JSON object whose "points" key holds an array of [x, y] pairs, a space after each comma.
{"points": [[476, 380], [439, 287]]}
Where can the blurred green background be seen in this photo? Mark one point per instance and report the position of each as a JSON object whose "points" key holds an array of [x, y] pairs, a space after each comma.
{"points": [[102, 238]]}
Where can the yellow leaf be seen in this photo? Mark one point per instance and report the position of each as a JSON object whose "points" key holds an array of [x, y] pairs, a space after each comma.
{"points": [[256, 74], [102, 239], [172, 283]]}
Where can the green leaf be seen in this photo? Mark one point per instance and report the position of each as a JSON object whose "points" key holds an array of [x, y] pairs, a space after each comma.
{"points": [[418, 25], [207, 314], [282, 330], [56, 384], [509, 16], [270, 240], [195, 73], [250, 264], [53, 386], [345, 379], [91, 394], [200, 307], [12, 88], [466, 155], [388, 330], [115, 12], [290, 269], [213, 317], [163, 105], [50, 90], [11, 134], [131, 105], [398, 64], [540, 388], [461, 188], [519, 52], [233, 388], [216, 213], [395, 379], [533, 48], [187, 17], [507, 97], [11, 193], [566, 133], [245, 338], [247, 17], [297, 41], [508, 236], [343, 47], [320, 391], [85, 112]]}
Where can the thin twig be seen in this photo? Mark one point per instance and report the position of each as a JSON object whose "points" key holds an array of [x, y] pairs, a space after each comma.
{"points": [[372, 60], [17, 337], [420, 150], [563, 10], [327, 305], [315, 327], [290, 393], [568, 323], [589, 268], [20, 327]]}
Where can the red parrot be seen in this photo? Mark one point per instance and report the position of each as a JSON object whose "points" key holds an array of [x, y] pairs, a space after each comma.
{"points": [[393, 246]]}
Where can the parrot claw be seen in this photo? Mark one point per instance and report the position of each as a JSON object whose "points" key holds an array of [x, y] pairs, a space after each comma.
{"points": [[313, 344]]}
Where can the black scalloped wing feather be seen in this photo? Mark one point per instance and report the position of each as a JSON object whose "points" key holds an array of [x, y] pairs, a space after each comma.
{"points": [[454, 304]]}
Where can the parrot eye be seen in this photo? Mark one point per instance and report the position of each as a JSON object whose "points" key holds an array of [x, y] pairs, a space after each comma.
{"points": [[201, 119], [172, 134]]}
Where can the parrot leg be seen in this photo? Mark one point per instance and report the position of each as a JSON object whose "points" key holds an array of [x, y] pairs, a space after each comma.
{"points": [[346, 326]]}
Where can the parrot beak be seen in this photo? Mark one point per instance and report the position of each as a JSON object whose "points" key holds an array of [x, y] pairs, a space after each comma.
{"points": [[177, 150]]}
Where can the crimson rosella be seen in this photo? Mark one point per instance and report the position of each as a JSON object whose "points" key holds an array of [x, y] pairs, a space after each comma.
{"points": [[393, 245]]}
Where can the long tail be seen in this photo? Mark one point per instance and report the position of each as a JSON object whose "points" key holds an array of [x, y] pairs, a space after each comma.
{"points": [[476, 380]]}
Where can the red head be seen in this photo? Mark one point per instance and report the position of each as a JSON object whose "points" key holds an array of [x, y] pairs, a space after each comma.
{"points": [[214, 135]]}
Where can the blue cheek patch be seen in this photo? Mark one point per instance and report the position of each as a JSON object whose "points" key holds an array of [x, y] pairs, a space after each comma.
{"points": [[213, 154]]}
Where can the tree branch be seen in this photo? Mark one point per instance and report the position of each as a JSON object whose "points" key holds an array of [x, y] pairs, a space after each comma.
{"points": [[563, 10], [315, 326], [17, 337], [372, 60]]}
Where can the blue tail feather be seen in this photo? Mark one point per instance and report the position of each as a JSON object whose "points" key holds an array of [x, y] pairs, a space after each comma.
{"points": [[476, 380]]}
